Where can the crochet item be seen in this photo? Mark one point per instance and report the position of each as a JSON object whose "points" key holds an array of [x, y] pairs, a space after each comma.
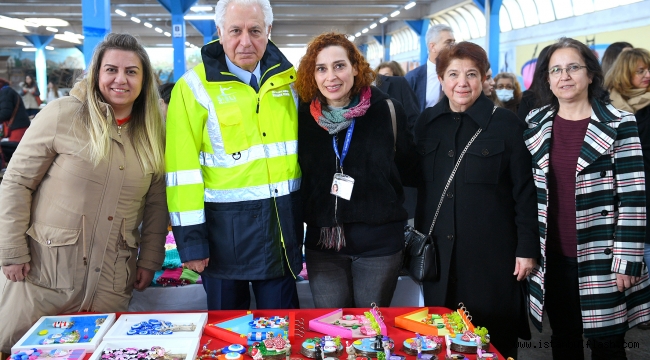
{"points": [[172, 259], [189, 276]]}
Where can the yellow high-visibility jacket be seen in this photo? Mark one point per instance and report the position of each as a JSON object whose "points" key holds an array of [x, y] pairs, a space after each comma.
{"points": [[232, 168]]}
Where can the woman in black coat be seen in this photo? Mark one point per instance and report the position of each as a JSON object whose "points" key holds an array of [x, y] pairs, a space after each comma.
{"points": [[354, 241], [11, 105], [486, 231]]}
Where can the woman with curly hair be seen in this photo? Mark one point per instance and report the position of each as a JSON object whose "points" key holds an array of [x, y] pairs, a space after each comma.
{"points": [[354, 240]]}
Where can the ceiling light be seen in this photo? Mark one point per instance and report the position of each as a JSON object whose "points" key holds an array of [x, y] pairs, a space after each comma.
{"points": [[373, 25], [69, 38], [32, 24], [187, 43], [383, 20], [13, 24], [158, 30], [394, 13], [167, 34], [21, 43], [201, 8], [52, 29], [49, 48], [357, 34], [48, 22], [199, 17], [365, 30], [30, 49], [351, 37], [409, 5], [148, 25], [135, 19], [120, 12]]}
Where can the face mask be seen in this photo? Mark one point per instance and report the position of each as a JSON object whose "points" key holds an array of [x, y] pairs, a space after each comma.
{"points": [[505, 94]]}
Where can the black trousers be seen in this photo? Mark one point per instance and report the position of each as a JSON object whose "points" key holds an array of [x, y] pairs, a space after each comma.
{"points": [[562, 304], [278, 293]]}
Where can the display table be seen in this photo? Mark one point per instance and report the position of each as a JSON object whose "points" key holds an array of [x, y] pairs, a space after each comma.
{"points": [[389, 314]]}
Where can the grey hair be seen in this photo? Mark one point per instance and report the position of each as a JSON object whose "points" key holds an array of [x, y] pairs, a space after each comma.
{"points": [[222, 5], [434, 32]]}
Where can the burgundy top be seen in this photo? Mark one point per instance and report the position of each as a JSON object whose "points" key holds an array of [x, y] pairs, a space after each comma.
{"points": [[567, 139]]}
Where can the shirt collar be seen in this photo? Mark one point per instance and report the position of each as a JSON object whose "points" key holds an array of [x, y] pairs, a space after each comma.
{"points": [[431, 67], [243, 75]]}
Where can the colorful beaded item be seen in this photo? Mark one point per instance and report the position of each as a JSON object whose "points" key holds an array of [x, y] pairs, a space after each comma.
{"points": [[206, 353], [35, 354], [154, 353]]}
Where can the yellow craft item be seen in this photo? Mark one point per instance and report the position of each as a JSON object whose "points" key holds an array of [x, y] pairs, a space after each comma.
{"points": [[357, 342], [42, 332]]}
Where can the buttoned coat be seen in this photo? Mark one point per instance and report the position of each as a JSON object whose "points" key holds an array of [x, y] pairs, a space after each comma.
{"points": [[74, 223], [610, 214], [488, 216]]}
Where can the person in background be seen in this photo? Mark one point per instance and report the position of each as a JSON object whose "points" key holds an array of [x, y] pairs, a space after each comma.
{"points": [[628, 82], [233, 179], [165, 91], [508, 91], [390, 68], [486, 231], [86, 176], [611, 53], [424, 79], [11, 107], [353, 245], [588, 169], [529, 100], [488, 87], [31, 96], [53, 92]]}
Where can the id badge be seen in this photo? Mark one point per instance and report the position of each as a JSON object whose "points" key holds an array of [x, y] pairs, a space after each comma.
{"points": [[342, 186]]}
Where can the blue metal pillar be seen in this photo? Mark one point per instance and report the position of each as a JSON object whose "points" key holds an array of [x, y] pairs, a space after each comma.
{"points": [[178, 9], [420, 27], [96, 23], [207, 28], [385, 42], [40, 42], [491, 10]]}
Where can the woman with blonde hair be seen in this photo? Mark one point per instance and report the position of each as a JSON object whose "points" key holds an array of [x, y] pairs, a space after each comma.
{"points": [[508, 91], [628, 82], [85, 177]]}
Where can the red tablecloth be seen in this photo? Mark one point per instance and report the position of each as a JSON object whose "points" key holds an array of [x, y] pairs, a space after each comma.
{"points": [[397, 334]]}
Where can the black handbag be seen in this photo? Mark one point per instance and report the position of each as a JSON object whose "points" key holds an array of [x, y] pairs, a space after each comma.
{"points": [[420, 255]]}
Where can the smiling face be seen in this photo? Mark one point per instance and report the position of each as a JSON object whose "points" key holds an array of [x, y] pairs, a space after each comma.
{"points": [[334, 75], [462, 84], [569, 88], [488, 84], [120, 80], [641, 76], [244, 36]]}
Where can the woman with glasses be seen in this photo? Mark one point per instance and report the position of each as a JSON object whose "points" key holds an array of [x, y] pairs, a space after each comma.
{"points": [[508, 91], [629, 84], [588, 169]]}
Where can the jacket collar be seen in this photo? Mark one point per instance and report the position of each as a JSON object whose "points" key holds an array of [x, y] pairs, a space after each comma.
{"points": [[599, 137], [480, 112], [216, 69]]}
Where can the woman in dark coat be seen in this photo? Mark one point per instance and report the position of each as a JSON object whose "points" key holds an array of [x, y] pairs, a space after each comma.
{"points": [[354, 244], [486, 232], [10, 104]]}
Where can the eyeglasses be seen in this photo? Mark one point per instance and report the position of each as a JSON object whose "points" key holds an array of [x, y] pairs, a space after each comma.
{"points": [[570, 70], [641, 72]]}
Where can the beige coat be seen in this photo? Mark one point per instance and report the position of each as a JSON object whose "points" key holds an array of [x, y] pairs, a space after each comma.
{"points": [[76, 225]]}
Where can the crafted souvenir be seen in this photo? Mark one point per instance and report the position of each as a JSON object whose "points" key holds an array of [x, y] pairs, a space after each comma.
{"points": [[348, 326], [274, 348], [330, 347], [137, 326], [247, 330], [66, 332], [370, 347], [422, 345], [147, 348], [54, 354]]}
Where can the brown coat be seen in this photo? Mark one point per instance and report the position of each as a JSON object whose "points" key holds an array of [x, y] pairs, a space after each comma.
{"points": [[57, 209]]}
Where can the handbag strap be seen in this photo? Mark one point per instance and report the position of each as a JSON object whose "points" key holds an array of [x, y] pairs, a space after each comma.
{"points": [[453, 173], [394, 121]]}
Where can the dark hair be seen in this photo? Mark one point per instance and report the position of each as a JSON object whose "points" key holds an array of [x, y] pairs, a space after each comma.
{"points": [[462, 50], [165, 91], [306, 82], [596, 90], [611, 53], [539, 75], [394, 66], [31, 84]]}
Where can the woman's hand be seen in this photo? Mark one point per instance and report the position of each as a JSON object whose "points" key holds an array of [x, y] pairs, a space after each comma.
{"points": [[624, 282], [143, 278], [16, 272], [197, 265], [523, 267]]}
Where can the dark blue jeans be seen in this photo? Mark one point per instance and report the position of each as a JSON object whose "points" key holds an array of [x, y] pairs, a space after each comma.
{"points": [[278, 293], [339, 281], [562, 304]]}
